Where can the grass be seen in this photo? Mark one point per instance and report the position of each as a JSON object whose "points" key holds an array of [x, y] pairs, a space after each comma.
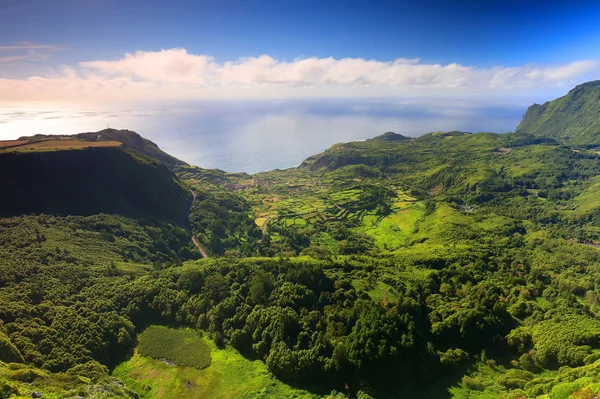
{"points": [[260, 222], [12, 143], [588, 200], [133, 268], [183, 347], [393, 231], [60, 144], [294, 221], [229, 376]]}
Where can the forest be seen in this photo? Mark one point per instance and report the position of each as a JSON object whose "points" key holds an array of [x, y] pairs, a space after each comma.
{"points": [[453, 265]]}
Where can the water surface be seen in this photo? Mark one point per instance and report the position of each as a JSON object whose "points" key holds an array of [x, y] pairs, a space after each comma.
{"points": [[260, 136]]}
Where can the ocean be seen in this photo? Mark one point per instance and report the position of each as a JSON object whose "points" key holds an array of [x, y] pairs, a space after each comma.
{"points": [[255, 136]]}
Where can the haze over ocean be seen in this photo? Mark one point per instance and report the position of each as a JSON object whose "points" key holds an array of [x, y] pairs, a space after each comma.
{"points": [[259, 136]]}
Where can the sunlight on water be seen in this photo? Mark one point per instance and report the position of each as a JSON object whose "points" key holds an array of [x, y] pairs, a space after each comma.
{"points": [[253, 136]]}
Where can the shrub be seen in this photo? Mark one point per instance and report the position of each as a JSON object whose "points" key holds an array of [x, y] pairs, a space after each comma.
{"points": [[8, 352], [6, 390], [514, 378], [539, 386], [592, 358], [474, 383], [92, 370], [27, 375], [564, 390], [454, 357]]}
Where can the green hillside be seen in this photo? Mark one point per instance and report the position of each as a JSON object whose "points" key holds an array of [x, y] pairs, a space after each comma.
{"points": [[90, 181], [574, 118], [452, 265]]}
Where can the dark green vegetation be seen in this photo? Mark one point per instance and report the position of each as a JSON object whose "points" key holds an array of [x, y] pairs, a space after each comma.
{"points": [[574, 118], [220, 221], [182, 347], [451, 265], [90, 181]]}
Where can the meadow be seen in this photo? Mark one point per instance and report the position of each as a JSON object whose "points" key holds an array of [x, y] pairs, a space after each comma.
{"points": [[181, 347], [229, 374]]}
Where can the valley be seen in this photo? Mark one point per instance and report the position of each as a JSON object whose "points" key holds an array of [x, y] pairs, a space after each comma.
{"points": [[451, 265]]}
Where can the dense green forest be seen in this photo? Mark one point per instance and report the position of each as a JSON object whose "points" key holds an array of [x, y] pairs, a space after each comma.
{"points": [[453, 265]]}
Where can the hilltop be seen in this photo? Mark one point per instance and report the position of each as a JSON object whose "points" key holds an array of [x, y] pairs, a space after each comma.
{"points": [[104, 137], [573, 118], [390, 136]]}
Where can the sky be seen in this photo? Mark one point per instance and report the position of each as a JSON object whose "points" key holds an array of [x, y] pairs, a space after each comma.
{"points": [[248, 85], [102, 51]]}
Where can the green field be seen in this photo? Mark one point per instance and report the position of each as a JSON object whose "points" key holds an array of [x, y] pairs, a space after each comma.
{"points": [[229, 376], [392, 231], [57, 145], [182, 347]]}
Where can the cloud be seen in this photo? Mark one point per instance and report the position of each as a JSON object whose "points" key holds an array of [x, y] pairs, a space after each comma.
{"points": [[177, 74], [26, 51], [32, 46], [167, 66]]}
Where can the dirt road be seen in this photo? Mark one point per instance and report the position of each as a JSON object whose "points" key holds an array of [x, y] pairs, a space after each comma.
{"points": [[194, 239]]}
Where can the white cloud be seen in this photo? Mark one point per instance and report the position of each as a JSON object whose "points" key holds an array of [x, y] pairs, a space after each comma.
{"points": [[177, 74], [168, 66]]}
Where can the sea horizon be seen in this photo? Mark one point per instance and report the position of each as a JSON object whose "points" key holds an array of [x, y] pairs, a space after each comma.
{"points": [[253, 137]]}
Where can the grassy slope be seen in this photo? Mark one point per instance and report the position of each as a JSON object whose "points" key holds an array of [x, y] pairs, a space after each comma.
{"points": [[573, 117], [59, 145], [394, 230]]}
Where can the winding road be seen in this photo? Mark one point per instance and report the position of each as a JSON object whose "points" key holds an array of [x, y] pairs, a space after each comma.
{"points": [[194, 239]]}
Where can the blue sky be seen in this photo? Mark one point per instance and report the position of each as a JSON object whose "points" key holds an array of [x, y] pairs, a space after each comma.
{"points": [[525, 40], [471, 32]]}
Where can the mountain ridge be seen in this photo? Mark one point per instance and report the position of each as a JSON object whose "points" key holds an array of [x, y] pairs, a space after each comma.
{"points": [[573, 118]]}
